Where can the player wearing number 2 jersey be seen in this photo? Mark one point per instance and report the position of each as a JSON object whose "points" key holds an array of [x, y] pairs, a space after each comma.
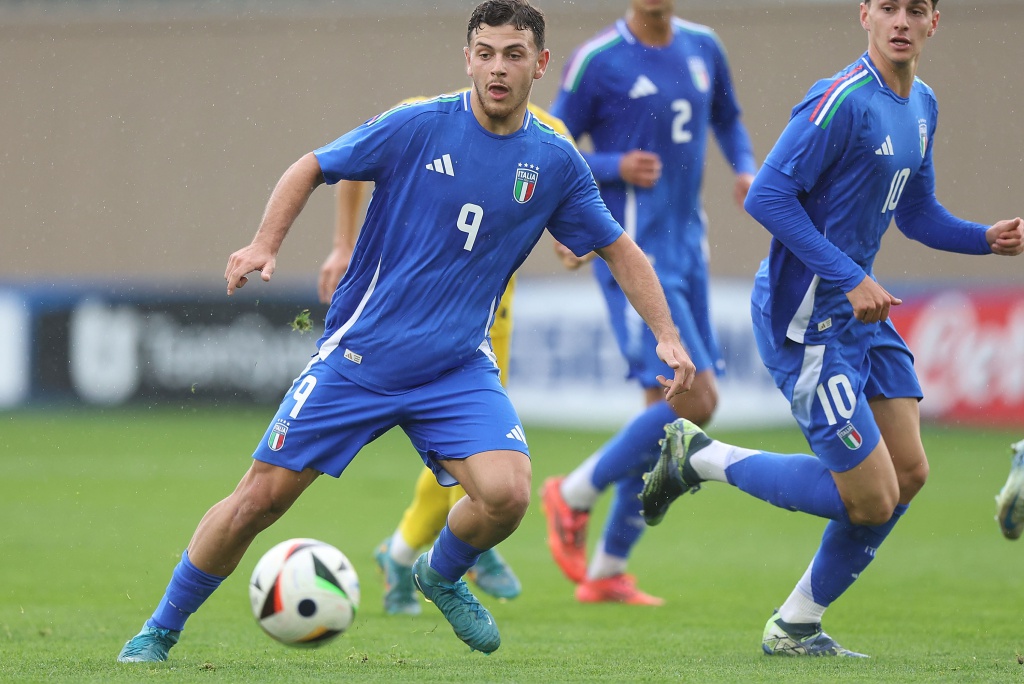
{"points": [[648, 91], [856, 154], [465, 184]]}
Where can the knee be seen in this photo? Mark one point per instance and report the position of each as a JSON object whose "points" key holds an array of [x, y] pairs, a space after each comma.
{"points": [[508, 504], [874, 508], [912, 480], [869, 516], [254, 509]]}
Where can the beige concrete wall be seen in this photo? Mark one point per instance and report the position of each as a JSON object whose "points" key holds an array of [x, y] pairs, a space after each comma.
{"points": [[146, 148]]}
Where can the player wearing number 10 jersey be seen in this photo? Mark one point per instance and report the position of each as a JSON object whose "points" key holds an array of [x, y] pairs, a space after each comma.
{"points": [[856, 155]]}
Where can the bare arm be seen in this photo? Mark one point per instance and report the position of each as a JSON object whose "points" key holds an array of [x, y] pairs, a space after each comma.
{"points": [[349, 200], [635, 275], [284, 206]]}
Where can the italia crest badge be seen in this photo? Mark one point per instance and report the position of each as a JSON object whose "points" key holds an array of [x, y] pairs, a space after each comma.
{"points": [[922, 130], [277, 434], [699, 74], [851, 438], [526, 182]]}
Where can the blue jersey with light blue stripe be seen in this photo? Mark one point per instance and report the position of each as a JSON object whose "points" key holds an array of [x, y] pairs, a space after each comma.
{"points": [[626, 95], [455, 211], [854, 148]]}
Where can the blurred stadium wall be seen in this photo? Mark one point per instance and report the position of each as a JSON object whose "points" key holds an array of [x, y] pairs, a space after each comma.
{"points": [[139, 142]]}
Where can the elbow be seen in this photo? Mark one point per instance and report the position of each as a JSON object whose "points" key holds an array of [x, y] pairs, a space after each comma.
{"points": [[754, 202]]}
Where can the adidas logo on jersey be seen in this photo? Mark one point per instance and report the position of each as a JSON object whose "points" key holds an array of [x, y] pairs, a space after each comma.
{"points": [[642, 88], [517, 434], [442, 165], [886, 149]]}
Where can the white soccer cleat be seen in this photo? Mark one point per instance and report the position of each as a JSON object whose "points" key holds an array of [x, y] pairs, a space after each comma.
{"points": [[785, 639], [1010, 499]]}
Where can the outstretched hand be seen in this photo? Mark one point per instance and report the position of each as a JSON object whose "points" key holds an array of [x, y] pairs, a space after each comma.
{"points": [[677, 359], [871, 302], [1006, 238], [254, 257]]}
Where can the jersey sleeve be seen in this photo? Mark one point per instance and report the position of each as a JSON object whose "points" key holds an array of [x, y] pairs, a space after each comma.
{"points": [[575, 105], [364, 153], [813, 140], [773, 202], [921, 217], [582, 222], [731, 134]]}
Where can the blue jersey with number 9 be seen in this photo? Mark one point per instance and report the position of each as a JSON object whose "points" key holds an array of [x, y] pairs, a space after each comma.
{"points": [[455, 211]]}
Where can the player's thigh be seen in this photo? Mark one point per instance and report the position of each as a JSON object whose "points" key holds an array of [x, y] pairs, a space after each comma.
{"points": [[825, 389], [324, 420], [497, 478], [899, 420], [894, 391], [462, 413]]}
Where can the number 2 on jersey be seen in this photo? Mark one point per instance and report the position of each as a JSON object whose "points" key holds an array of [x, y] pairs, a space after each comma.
{"points": [[684, 112]]}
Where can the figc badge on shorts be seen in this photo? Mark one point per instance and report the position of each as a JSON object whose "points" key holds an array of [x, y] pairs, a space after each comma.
{"points": [[526, 182], [277, 434], [851, 438]]}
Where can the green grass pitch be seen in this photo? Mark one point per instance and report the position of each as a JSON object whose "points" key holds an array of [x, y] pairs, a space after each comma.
{"points": [[96, 507]]}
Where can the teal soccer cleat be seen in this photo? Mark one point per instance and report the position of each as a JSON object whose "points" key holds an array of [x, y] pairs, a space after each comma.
{"points": [[1010, 499], [786, 639], [399, 591], [672, 476], [149, 646], [494, 577], [471, 621]]}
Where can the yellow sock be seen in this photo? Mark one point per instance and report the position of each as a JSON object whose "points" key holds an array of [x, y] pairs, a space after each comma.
{"points": [[428, 512]]}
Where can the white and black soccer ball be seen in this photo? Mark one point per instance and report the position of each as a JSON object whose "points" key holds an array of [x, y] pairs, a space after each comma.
{"points": [[304, 592]]}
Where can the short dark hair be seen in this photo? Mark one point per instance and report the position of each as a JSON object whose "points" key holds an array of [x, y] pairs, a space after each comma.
{"points": [[518, 13]]}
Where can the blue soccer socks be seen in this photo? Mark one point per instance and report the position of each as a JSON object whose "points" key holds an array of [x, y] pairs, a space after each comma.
{"points": [[451, 557], [635, 448], [188, 589], [795, 482]]}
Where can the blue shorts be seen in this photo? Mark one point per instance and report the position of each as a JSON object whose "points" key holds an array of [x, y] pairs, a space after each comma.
{"points": [[687, 301], [828, 386], [325, 419]]}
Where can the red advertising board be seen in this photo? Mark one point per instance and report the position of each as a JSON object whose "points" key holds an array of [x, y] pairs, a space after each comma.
{"points": [[969, 353]]}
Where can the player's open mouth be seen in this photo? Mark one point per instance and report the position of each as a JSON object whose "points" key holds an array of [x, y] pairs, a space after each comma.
{"points": [[498, 91], [900, 42]]}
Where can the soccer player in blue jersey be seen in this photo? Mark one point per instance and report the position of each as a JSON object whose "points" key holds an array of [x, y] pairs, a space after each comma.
{"points": [[647, 91], [465, 185], [856, 154]]}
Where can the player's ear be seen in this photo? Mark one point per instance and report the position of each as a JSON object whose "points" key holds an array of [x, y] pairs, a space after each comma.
{"points": [[465, 51], [542, 63]]}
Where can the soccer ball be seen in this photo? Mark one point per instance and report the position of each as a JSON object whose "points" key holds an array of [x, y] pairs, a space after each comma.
{"points": [[304, 592]]}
